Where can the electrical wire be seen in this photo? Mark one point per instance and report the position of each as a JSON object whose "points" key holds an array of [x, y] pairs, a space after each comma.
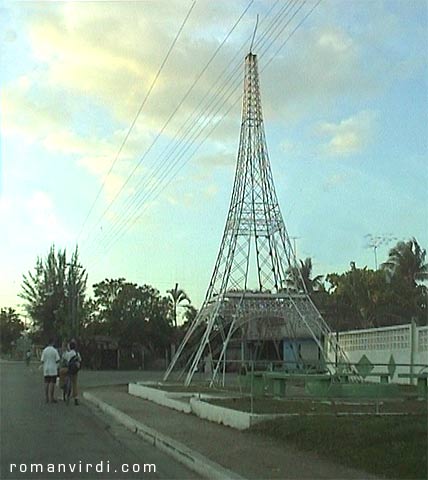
{"points": [[170, 167], [211, 129], [131, 127], [236, 71], [181, 102]]}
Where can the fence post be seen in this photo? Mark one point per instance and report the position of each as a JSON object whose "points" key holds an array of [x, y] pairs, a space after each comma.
{"points": [[252, 394], [413, 346]]}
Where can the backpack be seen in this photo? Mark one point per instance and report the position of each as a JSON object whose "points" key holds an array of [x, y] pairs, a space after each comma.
{"points": [[73, 365]]}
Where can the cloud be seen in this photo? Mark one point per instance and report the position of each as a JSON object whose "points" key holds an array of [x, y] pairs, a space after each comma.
{"points": [[335, 180], [335, 40], [105, 56], [29, 117], [98, 57], [348, 136], [36, 120], [220, 158], [38, 221], [110, 53], [292, 149], [110, 56], [324, 66], [40, 207]]}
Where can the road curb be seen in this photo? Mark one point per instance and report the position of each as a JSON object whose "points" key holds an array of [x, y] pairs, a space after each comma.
{"points": [[191, 459]]}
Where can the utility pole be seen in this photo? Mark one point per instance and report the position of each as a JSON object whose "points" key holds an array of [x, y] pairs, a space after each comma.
{"points": [[74, 298]]}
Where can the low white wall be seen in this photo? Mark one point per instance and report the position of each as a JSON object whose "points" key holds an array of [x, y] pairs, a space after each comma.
{"points": [[227, 416], [399, 344], [160, 397], [196, 405]]}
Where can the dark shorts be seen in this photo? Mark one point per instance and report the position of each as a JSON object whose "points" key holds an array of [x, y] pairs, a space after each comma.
{"points": [[50, 378]]}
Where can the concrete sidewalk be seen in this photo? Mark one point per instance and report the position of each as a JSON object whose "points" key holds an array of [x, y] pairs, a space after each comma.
{"points": [[213, 450]]}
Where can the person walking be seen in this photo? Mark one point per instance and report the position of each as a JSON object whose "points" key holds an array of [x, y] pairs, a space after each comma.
{"points": [[50, 360], [63, 365], [28, 357], [73, 360]]}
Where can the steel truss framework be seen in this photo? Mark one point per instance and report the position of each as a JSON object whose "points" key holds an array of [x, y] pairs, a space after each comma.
{"points": [[251, 278]]}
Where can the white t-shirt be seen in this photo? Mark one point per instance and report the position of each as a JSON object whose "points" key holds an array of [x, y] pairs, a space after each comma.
{"points": [[69, 354], [50, 358]]}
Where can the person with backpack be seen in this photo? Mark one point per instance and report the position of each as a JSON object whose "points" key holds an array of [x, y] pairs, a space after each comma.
{"points": [[63, 370], [73, 360]]}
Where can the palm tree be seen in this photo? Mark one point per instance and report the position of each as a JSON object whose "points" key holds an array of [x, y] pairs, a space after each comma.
{"points": [[310, 284], [407, 261], [178, 296]]}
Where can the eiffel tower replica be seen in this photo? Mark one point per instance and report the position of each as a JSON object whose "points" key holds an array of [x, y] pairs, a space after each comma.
{"points": [[256, 290]]}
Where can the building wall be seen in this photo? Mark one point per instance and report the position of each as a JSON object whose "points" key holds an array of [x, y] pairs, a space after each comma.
{"points": [[400, 344], [299, 351]]}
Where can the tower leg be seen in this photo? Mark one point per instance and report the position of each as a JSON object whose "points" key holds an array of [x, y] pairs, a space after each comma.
{"points": [[186, 338]]}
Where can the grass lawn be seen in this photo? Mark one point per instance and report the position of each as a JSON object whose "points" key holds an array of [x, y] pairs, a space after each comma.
{"points": [[388, 446], [307, 406], [394, 447], [178, 388]]}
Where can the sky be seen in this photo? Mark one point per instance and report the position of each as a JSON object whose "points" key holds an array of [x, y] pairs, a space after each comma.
{"points": [[120, 123]]}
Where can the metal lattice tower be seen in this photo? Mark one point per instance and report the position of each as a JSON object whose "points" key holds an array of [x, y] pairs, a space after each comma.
{"points": [[251, 287]]}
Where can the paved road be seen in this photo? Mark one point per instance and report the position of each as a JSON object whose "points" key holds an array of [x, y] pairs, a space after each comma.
{"points": [[33, 432]]}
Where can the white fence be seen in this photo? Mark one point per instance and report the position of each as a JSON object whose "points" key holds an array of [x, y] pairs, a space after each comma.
{"points": [[391, 348]]}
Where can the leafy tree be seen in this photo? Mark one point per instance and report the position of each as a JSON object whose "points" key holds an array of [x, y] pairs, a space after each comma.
{"points": [[55, 293], [189, 316], [11, 328], [178, 296], [358, 298], [132, 314], [363, 298], [105, 296]]}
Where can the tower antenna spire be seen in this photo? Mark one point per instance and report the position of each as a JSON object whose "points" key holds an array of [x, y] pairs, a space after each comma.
{"points": [[254, 33]]}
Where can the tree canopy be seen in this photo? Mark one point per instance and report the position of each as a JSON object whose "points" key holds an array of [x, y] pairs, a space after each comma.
{"points": [[132, 314], [11, 328], [394, 294], [54, 294]]}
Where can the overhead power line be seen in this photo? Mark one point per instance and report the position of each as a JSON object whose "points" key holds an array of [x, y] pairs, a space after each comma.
{"points": [[176, 109], [127, 219], [168, 169], [131, 127], [194, 117]]}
